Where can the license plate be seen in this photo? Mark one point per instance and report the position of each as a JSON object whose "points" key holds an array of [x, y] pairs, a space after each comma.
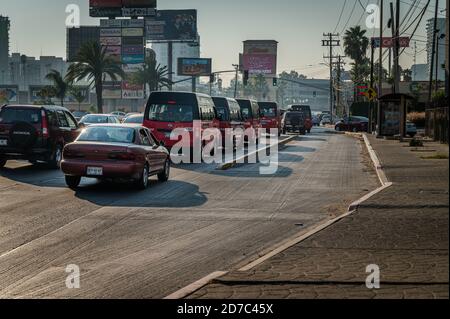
{"points": [[94, 171], [3, 142]]}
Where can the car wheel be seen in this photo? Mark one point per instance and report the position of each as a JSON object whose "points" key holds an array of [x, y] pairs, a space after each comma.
{"points": [[142, 183], [55, 160], [2, 162], [302, 132], [164, 175], [73, 181], [309, 131]]}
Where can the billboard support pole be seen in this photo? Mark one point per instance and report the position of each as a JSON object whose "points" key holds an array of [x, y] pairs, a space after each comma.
{"points": [[194, 84], [170, 63]]}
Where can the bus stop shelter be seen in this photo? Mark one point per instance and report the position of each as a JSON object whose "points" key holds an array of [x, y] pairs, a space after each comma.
{"points": [[392, 114]]}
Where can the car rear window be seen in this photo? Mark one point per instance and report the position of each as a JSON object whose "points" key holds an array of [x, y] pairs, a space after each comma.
{"points": [[135, 119], [108, 135], [168, 112], [268, 109], [93, 119], [13, 115]]}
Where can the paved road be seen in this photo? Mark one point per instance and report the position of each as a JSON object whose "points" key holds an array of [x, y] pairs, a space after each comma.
{"points": [[149, 244]]}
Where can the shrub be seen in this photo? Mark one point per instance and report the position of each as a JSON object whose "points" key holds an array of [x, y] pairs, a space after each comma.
{"points": [[417, 118]]}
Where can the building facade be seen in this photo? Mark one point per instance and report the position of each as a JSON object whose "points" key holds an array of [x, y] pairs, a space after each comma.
{"points": [[76, 37], [4, 49]]}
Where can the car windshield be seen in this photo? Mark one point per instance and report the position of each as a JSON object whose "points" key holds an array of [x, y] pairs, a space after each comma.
{"points": [[108, 135], [12, 115], [268, 111], [94, 119], [135, 119], [170, 113]]}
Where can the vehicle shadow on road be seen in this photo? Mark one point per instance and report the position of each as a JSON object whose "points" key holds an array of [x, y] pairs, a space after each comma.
{"points": [[171, 194], [37, 175]]}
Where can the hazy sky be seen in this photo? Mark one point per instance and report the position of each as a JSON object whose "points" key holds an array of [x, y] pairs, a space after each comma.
{"points": [[38, 27]]}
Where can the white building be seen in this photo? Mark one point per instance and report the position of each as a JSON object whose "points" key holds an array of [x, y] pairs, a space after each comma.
{"points": [[419, 72], [441, 46], [180, 50]]}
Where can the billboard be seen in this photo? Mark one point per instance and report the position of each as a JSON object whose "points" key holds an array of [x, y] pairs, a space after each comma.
{"points": [[110, 23], [111, 41], [388, 42], [111, 32], [172, 25], [9, 93], [194, 67], [112, 90], [260, 57], [133, 50], [133, 41], [115, 52], [132, 68], [132, 91], [132, 32], [133, 58], [133, 23], [121, 8]]}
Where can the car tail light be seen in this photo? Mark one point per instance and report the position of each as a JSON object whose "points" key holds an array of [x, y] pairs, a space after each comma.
{"points": [[45, 133], [122, 156]]}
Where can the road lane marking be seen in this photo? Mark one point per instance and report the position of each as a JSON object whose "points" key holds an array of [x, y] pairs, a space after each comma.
{"points": [[189, 289]]}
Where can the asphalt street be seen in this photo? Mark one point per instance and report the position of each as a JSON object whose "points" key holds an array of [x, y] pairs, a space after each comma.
{"points": [[148, 244]]}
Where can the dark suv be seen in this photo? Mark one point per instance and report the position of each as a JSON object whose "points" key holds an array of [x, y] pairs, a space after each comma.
{"points": [[293, 122], [35, 133]]}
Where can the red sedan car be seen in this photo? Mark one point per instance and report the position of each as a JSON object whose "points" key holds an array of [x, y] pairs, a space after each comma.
{"points": [[115, 151]]}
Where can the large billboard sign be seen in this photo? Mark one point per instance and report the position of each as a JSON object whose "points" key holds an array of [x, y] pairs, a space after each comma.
{"points": [[260, 57], [121, 8], [172, 25], [194, 67], [112, 90], [389, 42], [9, 93]]}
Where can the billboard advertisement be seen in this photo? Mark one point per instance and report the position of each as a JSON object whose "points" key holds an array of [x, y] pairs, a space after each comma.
{"points": [[172, 25], [114, 52], [132, 68], [133, 41], [133, 58], [260, 57], [133, 23], [133, 50], [388, 42], [9, 93], [111, 32], [194, 67], [110, 23], [112, 90], [132, 91], [121, 8]]}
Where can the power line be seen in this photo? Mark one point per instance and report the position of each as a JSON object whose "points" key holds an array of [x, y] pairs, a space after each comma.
{"points": [[340, 16], [351, 15]]}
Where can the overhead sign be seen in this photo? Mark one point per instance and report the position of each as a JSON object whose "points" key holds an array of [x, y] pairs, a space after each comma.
{"points": [[9, 93], [260, 57], [172, 25], [194, 67], [388, 42]]}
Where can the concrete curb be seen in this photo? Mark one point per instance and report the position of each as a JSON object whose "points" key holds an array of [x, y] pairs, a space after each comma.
{"points": [[296, 239], [234, 162]]}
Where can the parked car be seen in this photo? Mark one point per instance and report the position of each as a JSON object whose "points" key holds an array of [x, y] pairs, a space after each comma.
{"points": [[115, 151], [293, 122], [79, 114], [134, 119], [411, 129], [120, 115], [270, 116], [228, 115], [353, 124], [251, 115], [306, 110], [35, 133], [316, 120], [167, 111], [326, 120], [99, 119]]}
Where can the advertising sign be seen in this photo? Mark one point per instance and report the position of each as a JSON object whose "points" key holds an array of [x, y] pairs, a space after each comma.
{"points": [[132, 32], [133, 23], [132, 68], [133, 41], [114, 52], [111, 32], [121, 8], [389, 42], [260, 57], [194, 67], [133, 50], [110, 23], [112, 90], [132, 91], [111, 41], [139, 3], [9, 93], [105, 12], [105, 3], [138, 12], [172, 25], [133, 59]]}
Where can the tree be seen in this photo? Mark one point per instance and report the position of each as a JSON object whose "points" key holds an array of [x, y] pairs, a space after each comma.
{"points": [[355, 47], [407, 75], [60, 85], [92, 63], [45, 95], [78, 94], [261, 87], [152, 75]]}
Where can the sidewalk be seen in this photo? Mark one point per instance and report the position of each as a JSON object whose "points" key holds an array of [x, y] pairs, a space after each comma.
{"points": [[404, 230]]}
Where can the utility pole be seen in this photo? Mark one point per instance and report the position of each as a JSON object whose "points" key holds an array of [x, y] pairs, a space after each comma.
{"points": [[380, 70], [433, 53], [372, 57], [338, 64], [415, 61], [236, 80], [395, 37], [331, 42], [170, 63]]}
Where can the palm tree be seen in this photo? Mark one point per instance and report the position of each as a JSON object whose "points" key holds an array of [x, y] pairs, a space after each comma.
{"points": [[60, 85], [152, 75], [92, 63], [356, 44], [77, 93], [46, 94], [262, 89]]}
